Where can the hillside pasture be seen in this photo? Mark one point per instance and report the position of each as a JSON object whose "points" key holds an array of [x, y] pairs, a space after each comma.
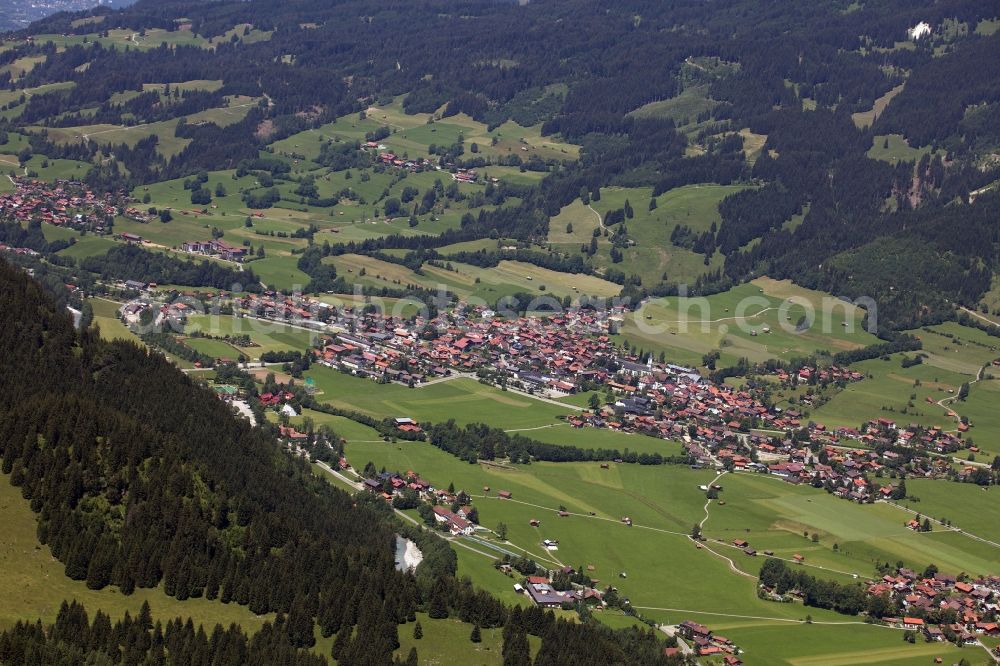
{"points": [[413, 135], [168, 144], [945, 500], [467, 280], [774, 515], [864, 119], [664, 570], [886, 393], [652, 255], [682, 109], [958, 348], [22, 66], [734, 322], [662, 566], [894, 148], [216, 349], [10, 96], [88, 246], [106, 318]]}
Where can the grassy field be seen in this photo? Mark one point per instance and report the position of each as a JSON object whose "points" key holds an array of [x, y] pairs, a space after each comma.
{"points": [[8, 96], [154, 38], [988, 27], [446, 641], [981, 410], [88, 246], [682, 109], [664, 571], [34, 584], [940, 499], [21, 66], [825, 645], [958, 348], [894, 148], [412, 135], [465, 400], [773, 515], [229, 215], [214, 348], [106, 318], [169, 145], [734, 322], [269, 336], [886, 392], [867, 118]]}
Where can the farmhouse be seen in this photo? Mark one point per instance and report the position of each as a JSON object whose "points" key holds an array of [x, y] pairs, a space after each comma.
{"points": [[456, 524], [545, 596]]}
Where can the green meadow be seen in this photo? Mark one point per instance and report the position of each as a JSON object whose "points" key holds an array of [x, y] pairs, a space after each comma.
{"points": [[774, 515], [734, 322], [665, 571], [217, 349], [893, 392], [783, 644], [88, 246], [266, 335], [463, 399], [662, 567], [682, 109], [412, 135], [894, 148], [168, 145], [867, 118], [953, 501], [106, 318]]}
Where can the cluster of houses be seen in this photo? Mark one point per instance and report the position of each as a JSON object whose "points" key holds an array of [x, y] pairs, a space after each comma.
{"points": [[882, 432], [534, 354], [965, 608], [62, 203], [851, 457], [293, 308], [391, 159], [705, 643], [166, 315], [216, 248], [26, 251]]}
